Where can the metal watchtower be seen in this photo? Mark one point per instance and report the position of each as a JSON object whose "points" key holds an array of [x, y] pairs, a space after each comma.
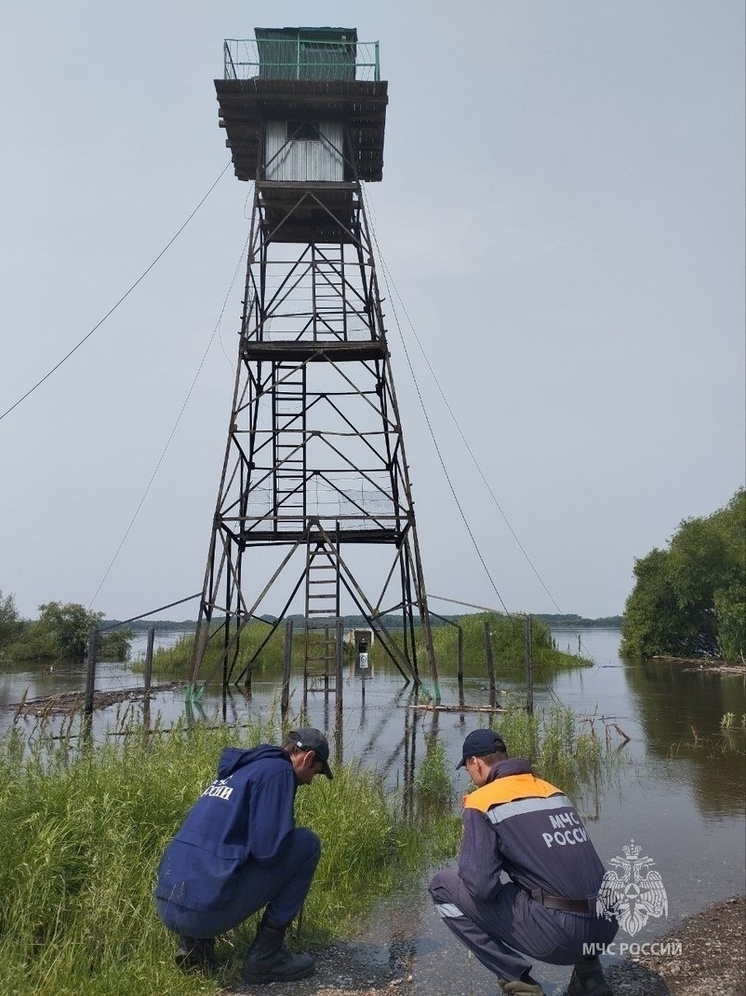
{"points": [[315, 504]]}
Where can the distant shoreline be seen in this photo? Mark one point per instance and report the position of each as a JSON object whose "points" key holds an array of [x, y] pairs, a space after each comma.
{"points": [[569, 622]]}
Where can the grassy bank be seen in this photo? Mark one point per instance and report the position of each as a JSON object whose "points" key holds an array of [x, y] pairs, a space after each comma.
{"points": [[83, 833], [84, 829]]}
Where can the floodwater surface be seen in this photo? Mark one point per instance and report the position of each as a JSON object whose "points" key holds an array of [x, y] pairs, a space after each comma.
{"points": [[678, 790]]}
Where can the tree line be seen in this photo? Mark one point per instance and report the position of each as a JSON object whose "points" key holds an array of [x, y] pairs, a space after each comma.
{"points": [[569, 620], [61, 631], [689, 600]]}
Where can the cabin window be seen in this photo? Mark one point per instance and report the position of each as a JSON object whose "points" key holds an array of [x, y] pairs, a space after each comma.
{"points": [[304, 131]]}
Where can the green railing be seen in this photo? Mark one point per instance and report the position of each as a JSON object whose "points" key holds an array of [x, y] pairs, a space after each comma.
{"points": [[300, 59]]}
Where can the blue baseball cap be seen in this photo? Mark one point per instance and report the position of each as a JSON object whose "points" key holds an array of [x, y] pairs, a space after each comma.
{"points": [[309, 738], [480, 742]]}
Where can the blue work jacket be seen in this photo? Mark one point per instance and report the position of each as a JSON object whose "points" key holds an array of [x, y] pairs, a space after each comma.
{"points": [[246, 814]]}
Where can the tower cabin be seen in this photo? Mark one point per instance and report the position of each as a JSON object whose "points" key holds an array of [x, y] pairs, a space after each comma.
{"points": [[304, 109]]}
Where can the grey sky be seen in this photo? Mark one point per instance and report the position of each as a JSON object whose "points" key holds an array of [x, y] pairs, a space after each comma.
{"points": [[562, 213]]}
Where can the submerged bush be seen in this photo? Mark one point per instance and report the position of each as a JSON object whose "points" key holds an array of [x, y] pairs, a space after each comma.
{"points": [[506, 636], [507, 642]]}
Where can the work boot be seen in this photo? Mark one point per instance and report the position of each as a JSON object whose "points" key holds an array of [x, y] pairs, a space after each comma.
{"points": [[268, 960], [525, 986], [196, 954], [587, 979]]}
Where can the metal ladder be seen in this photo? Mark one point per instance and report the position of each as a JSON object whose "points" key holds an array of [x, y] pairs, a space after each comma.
{"points": [[289, 427], [329, 296], [322, 612]]}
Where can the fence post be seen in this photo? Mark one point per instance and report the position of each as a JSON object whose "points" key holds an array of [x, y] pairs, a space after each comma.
{"points": [[529, 664], [460, 666], [287, 656], [490, 662], [149, 660], [90, 682], [339, 686], [148, 680], [339, 678]]}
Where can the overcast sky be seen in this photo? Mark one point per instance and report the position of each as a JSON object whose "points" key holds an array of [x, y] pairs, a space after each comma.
{"points": [[562, 214]]}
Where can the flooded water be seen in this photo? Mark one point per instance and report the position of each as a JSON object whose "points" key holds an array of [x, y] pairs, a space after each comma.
{"points": [[679, 790]]}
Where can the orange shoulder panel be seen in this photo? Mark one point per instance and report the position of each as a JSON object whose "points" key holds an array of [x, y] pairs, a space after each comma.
{"points": [[508, 790]]}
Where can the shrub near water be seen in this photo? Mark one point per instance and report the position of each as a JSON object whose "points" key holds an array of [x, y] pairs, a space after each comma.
{"points": [[83, 832]]}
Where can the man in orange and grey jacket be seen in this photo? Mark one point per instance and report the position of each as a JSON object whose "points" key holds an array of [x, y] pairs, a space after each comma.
{"points": [[517, 826]]}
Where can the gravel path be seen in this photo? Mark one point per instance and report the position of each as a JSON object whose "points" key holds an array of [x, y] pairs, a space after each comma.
{"points": [[711, 963], [712, 960]]}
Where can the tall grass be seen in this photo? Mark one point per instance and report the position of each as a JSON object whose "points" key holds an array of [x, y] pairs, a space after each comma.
{"points": [[176, 659], [574, 760], [83, 830]]}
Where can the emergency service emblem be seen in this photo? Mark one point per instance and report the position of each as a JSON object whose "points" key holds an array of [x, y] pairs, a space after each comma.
{"points": [[631, 892]]}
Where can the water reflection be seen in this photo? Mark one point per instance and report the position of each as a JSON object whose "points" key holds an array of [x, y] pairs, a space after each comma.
{"points": [[680, 710]]}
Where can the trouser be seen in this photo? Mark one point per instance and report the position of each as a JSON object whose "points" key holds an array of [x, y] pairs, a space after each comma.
{"points": [[500, 930], [281, 887]]}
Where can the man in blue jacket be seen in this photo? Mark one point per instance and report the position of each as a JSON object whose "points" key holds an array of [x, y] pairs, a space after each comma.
{"points": [[518, 827], [239, 851]]}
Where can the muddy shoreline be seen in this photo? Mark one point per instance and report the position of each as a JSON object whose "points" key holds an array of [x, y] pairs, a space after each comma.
{"points": [[709, 962]]}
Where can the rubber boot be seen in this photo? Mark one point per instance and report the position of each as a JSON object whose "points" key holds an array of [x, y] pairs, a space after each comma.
{"points": [[268, 960], [587, 979], [196, 954]]}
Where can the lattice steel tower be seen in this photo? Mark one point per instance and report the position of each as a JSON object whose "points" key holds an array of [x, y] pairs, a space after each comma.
{"points": [[315, 505]]}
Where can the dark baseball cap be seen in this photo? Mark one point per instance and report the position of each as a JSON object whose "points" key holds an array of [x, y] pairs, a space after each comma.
{"points": [[309, 738], [480, 742]]}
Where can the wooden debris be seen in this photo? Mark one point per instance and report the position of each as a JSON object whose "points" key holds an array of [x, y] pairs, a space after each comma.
{"points": [[65, 703], [714, 665]]}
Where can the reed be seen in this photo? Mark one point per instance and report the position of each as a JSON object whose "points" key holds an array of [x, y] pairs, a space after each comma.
{"points": [[729, 721], [560, 751]]}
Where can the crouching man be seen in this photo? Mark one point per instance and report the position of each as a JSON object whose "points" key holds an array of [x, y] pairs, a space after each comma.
{"points": [[518, 827], [239, 851]]}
